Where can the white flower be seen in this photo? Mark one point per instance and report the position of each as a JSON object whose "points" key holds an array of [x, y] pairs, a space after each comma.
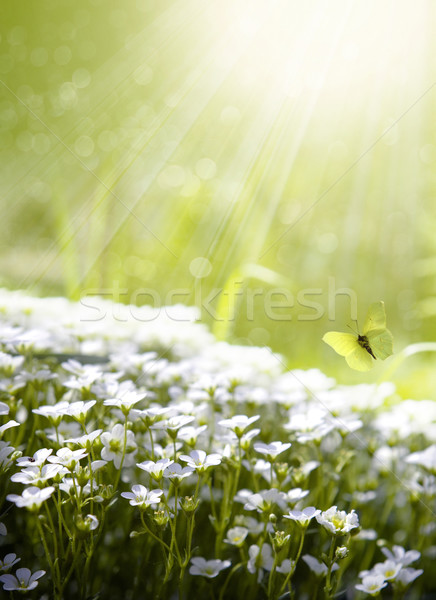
{"points": [[126, 401], [426, 458], [272, 450], [407, 575], [176, 472], [78, 410], [8, 425], [366, 534], [142, 497], [5, 460], [305, 422], [11, 386], [84, 382], [308, 467], [87, 524], [3, 530], [155, 469], [4, 408], [364, 497], [286, 566], [303, 517], [113, 446], [69, 486], [253, 525], [190, 434], [399, 555], [200, 461], [83, 375], [388, 569], [85, 441], [63, 431], [67, 458], [208, 568], [264, 500], [37, 475], [238, 423], [261, 466], [338, 521], [173, 424], [247, 437], [77, 368], [316, 566], [372, 584], [236, 536], [31, 498], [22, 581], [37, 460], [150, 415], [316, 434], [9, 364], [97, 464], [260, 560], [293, 496], [9, 561], [53, 412]]}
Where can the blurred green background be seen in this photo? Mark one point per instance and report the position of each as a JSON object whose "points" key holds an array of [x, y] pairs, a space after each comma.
{"points": [[199, 145]]}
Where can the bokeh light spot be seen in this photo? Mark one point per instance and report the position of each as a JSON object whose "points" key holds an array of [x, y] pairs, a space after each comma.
{"points": [[427, 154], [81, 78], [143, 75], [327, 243], [205, 168], [62, 55], [39, 57], [84, 146], [41, 143], [200, 267], [172, 176]]}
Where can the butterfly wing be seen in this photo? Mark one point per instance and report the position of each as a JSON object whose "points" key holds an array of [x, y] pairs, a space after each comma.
{"points": [[359, 359], [346, 344], [376, 317], [342, 343], [381, 342]]}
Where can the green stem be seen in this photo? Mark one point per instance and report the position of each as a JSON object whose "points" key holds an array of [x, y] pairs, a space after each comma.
{"points": [[328, 586], [271, 578], [153, 535], [190, 531], [70, 572], [48, 556], [117, 480], [297, 558], [55, 547], [150, 433], [60, 519], [229, 576]]}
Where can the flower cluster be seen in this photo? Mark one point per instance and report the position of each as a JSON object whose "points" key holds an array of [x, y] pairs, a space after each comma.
{"points": [[394, 570], [200, 463]]}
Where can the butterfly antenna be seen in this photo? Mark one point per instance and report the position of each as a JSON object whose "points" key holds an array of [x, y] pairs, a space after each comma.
{"points": [[356, 332]]}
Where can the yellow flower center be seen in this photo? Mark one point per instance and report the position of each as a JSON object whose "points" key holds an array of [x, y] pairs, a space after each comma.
{"points": [[115, 445], [338, 522]]}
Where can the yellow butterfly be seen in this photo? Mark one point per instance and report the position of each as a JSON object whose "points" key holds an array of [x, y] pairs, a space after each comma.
{"points": [[375, 342]]}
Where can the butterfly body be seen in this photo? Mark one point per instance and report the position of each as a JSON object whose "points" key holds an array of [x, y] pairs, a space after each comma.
{"points": [[362, 340], [359, 350]]}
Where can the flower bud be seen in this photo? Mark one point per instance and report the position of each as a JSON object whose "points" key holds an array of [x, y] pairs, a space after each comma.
{"points": [[86, 524], [279, 540], [160, 518], [188, 504], [341, 552]]}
